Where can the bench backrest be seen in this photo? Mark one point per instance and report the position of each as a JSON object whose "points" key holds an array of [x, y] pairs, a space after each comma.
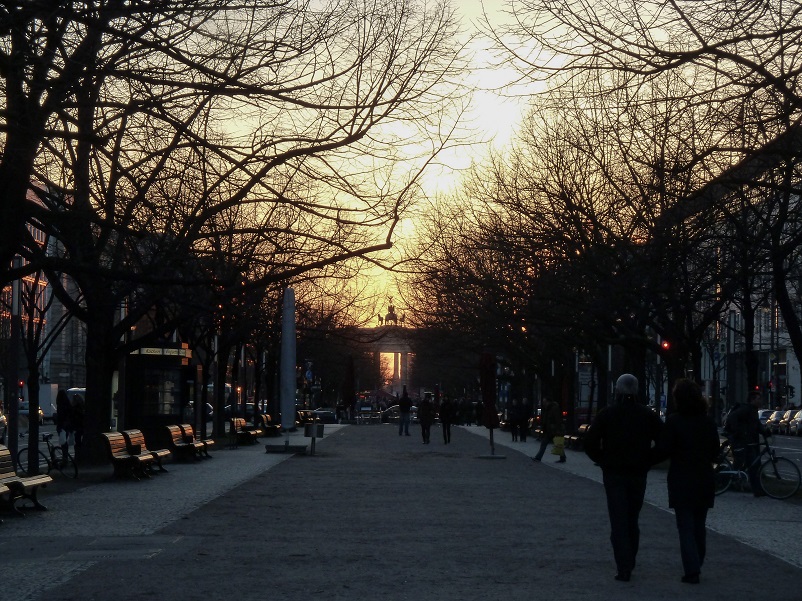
{"points": [[238, 423], [135, 437], [116, 443], [6, 463], [187, 430], [176, 434]]}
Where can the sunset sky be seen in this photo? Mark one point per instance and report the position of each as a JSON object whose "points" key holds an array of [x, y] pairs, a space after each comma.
{"points": [[490, 122]]}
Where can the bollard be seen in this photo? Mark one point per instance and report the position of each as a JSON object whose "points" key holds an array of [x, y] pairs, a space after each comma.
{"points": [[313, 431]]}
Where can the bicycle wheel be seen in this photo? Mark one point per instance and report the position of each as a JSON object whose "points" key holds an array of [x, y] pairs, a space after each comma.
{"points": [[67, 468], [724, 472], [22, 463], [780, 477]]}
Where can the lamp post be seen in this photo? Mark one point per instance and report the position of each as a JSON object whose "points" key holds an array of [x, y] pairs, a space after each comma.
{"points": [[13, 365]]}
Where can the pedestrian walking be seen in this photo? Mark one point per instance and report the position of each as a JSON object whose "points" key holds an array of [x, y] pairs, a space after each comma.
{"points": [[622, 441], [77, 417], [64, 422], [523, 424], [690, 440], [426, 415], [514, 419], [553, 427], [447, 417], [404, 411]]}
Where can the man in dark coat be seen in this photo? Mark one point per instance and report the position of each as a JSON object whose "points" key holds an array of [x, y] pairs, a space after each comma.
{"points": [[426, 415], [553, 425], [404, 411], [622, 440]]}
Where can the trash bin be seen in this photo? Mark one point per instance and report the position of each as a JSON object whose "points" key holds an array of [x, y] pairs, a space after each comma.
{"points": [[313, 430]]}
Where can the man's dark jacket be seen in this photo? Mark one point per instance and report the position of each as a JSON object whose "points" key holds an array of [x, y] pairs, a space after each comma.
{"points": [[621, 438]]}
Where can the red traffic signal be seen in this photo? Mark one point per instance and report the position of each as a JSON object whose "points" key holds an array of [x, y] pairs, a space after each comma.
{"points": [[665, 345]]}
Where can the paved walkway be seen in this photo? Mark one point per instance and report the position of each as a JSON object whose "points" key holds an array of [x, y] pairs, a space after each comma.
{"points": [[377, 516]]}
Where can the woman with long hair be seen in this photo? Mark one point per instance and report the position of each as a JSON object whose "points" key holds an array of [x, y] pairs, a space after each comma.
{"points": [[690, 440]]}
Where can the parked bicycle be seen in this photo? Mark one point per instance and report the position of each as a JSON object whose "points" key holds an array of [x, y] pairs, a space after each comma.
{"points": [[779, 477], [53, 459]]}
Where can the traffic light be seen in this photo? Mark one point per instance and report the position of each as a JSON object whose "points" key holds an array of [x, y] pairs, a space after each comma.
{"points": [[769, 385], [665, 345]]}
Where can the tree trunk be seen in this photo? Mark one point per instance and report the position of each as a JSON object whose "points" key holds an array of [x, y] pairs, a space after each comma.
{"points": [[101, 362]]}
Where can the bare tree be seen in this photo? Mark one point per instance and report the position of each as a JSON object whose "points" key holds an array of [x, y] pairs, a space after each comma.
{"points": [[743, 60], [156, 128]]}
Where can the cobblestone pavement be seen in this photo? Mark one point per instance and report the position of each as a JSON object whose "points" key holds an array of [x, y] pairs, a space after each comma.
{"points": [[376, 516]]}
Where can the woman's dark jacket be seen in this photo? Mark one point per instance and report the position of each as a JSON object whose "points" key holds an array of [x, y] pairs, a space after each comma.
{"points": [[426, 413], [447, 412], [691, 442]]}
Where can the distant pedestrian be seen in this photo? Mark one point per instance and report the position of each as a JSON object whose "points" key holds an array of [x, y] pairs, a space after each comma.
{"points": [[514, 419], [447, 416], [78, 412], [64, 422], [621, 441], [553, 426], [404, 412], [523, 424], [426, 415], [690, 440]]}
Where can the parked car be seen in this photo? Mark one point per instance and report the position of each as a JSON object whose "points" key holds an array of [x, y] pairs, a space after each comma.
{"points": [[391, 415], [325, 415], [795, 426], [773, 422], [248, 415], [764, 414], [784, 427], [208, 411], [23, 412]]}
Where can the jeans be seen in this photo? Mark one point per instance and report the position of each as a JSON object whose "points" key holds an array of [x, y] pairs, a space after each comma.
{"points": [[544, 443], [692, 537], [446, 432], [403, 424], [625, 494], [426, 430]]}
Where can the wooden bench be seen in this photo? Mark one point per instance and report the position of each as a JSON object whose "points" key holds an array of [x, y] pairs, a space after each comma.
{"points": [[200, 446], [268, 427], [135, 439], [576, 441], [16, 488], [180, 444], [242, 432], [125, 463]]}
